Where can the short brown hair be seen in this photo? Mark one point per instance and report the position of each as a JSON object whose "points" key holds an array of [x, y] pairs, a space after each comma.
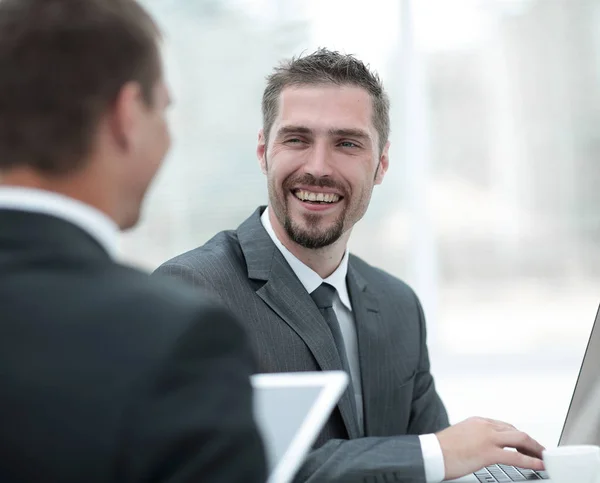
{"points": [[62, 65], [327, 67]]}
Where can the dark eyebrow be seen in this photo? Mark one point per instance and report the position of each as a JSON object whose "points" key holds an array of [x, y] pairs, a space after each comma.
{"points": [[351, 133], [293, 130]]}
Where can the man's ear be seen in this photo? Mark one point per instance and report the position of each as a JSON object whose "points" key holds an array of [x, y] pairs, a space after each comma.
{"points": [[384, 163], [261, 151]]}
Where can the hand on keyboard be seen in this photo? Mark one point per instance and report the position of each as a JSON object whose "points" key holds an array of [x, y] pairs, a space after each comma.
{"points": [[477, 442]]}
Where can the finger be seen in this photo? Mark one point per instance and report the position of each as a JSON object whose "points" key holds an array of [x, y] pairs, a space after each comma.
{"points": [[500, 425], [525, 451], [512, 458], [522, 442]]}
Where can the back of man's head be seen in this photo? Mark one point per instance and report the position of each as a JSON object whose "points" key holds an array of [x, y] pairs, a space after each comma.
{"points": [[65, 66]]}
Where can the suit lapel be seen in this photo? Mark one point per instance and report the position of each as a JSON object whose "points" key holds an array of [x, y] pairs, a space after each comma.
{"points": [[365, 307], [288, 298]]}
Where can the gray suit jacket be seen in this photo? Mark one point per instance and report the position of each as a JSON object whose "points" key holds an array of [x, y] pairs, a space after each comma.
{"points": [[249, 274]]}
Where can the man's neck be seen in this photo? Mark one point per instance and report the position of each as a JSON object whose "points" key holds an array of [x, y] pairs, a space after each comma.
{"points": [[323, 261]]}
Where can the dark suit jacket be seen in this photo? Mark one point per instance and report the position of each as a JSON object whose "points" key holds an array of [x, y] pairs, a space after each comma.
{"points": [[109, 375], [247, 271]]}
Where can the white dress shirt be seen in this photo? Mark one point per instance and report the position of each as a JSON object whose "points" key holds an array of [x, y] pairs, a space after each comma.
{"points": [[93, 221], [430, 447]]}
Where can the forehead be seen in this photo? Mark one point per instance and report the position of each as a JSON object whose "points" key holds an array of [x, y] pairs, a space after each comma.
{"points": [[326, 107]]}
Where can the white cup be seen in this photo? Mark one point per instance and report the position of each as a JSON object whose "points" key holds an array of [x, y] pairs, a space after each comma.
{"points": [[573, 464]]}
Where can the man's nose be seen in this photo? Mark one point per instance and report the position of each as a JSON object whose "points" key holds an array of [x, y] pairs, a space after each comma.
{"points": [[318, 163]]}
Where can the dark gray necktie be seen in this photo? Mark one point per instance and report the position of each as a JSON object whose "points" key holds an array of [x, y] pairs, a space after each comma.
{"points": [[323, 297]]}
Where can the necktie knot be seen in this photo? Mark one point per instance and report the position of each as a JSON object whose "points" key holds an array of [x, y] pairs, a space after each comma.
{"points": [[323, 296]]}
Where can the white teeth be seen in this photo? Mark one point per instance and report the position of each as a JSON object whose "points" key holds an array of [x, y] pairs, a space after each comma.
{"points": [[321, 197]]}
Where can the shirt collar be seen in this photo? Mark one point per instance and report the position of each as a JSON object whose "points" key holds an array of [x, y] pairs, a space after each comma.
{"points": [[93, 221], [307, 276]]}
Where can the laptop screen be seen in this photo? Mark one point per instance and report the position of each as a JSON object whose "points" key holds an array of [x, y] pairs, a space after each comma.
{"points": [[582, 424], [281, 411], [291, 409]]}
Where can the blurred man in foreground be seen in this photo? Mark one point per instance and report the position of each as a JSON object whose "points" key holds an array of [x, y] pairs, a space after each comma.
{"points": [[106, 375]]}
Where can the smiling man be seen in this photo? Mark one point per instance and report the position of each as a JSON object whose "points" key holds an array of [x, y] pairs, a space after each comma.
{"points": [[309, 305]]}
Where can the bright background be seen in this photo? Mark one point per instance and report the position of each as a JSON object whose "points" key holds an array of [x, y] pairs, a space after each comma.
{"points": [[491, 206]]}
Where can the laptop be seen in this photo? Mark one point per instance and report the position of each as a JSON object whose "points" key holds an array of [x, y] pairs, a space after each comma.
{"points": [[580, 426], [290, 410]]}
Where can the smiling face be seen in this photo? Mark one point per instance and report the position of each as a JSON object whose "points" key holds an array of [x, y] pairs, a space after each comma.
{"points": [[321, 161]]}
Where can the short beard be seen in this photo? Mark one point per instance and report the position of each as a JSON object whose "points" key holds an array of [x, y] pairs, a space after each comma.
{"points": [[313, 241]]}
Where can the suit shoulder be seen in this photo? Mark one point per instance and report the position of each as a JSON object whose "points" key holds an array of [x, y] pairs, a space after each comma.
{"points": [[217, 251], [146, 319], [397, 299], [380, 279], [160, 299]]}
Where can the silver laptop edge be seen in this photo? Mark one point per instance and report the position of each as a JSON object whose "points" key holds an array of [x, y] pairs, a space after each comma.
{"points": [[584, 407], [331, 384]]}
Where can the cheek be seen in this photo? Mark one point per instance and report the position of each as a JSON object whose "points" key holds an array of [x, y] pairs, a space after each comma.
{"points": [[156, 147], [275, 180], [159, 144], [279, 170], [361, 183], [164, 135]]}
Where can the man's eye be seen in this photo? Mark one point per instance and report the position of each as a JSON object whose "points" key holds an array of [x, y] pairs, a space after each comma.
{"points": [[293, 141], [348, 144]]}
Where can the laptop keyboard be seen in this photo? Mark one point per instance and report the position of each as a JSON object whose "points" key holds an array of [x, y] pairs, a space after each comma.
{"points": [[503, 474]]}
